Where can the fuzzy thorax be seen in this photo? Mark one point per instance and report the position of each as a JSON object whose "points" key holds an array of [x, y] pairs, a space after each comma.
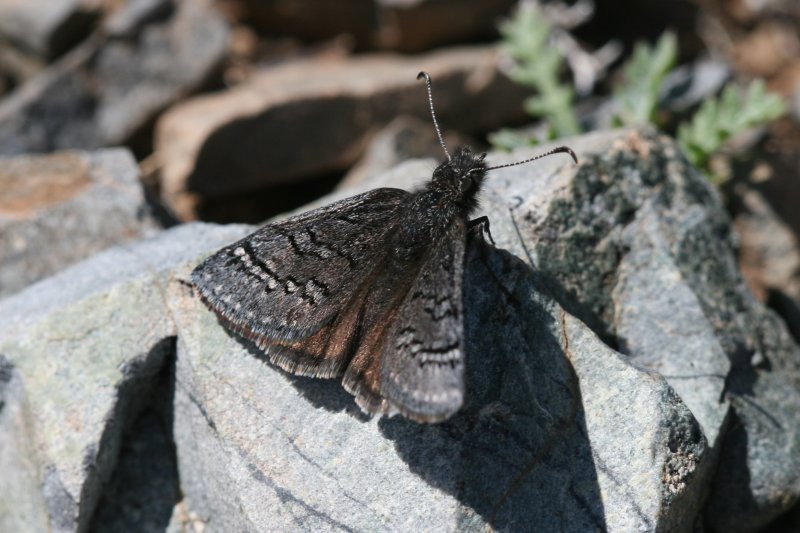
{"points": [[460, 179]]}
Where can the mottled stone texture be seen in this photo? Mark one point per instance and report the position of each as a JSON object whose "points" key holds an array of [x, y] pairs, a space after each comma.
{"points": [[91, 345], [59, 208], [620, 377]]}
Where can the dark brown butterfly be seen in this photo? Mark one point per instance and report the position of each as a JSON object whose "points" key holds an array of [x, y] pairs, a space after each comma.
{"points": [[368, 288]]}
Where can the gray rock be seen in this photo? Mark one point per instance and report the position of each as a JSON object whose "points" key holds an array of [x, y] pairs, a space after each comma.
{"points": [[16, 67], [690, 85], [559, 430], [134, 14], [60, 208], [108, 88], [22, 505], [46, 27], [541, 391], [643, 253], [91, 343], [285, 124], [648, 291]]}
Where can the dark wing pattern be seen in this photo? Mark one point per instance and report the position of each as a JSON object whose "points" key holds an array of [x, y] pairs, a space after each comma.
{"points": [[422, 364], [288, 280], [322, 295]]}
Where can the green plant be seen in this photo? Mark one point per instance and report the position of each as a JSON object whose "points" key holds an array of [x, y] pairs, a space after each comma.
{"points": [[509, 140], [719, 119], [537, 64], [644, 75]]}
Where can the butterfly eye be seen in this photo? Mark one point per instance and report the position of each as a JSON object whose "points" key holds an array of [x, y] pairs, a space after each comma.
{"points": [[466, 183]]}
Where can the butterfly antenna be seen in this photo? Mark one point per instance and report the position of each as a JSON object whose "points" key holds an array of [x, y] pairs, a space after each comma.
{"points": [[559, 150], [433, 114]]}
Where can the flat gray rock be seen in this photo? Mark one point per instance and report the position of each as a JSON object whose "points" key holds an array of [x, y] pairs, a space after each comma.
{"points": [[605, 389], [59, 208]]}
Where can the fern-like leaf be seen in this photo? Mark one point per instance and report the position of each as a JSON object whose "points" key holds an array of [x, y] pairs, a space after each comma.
{"points": [[526, 39], [644, 76], [719, 119]]}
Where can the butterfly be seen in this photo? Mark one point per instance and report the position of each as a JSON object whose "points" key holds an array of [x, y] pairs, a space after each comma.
{"points": [[368, 288]]}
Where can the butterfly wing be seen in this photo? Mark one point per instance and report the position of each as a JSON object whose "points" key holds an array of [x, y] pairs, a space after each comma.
{"points": [[422, 364], [288, 280], [319, 294]]}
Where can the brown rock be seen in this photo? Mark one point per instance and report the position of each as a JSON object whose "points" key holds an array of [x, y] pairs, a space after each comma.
{"points": [[769, 255], [768, 49], [31, 185], [769, 252], [311, 117], [401, 25], [402, 139]]}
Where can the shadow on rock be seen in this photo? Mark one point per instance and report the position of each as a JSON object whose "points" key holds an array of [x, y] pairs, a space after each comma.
{"points": [[724, 490], [518, 453], [144, 486], [327, 394]]}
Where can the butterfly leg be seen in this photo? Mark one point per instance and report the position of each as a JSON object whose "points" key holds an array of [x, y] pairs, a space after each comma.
{"points": [[483, 222]]}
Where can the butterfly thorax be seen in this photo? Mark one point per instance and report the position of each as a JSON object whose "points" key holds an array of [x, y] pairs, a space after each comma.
{"points": [[450, 195], [458, 180]]}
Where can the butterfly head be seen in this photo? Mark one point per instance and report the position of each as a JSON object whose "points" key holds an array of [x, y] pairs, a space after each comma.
{"points": [[461, 177]]}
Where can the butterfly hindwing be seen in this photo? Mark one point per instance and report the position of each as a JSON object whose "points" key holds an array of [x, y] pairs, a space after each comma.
{"points": [[422, 364], [290, 279]]}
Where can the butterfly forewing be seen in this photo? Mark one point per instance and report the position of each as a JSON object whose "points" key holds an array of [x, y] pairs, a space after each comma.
{"points": [[288, 280], [422, 365]]}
